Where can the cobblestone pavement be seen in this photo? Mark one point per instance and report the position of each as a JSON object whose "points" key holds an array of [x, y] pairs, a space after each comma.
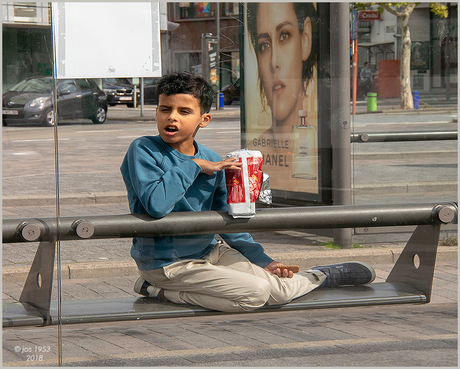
{"points": [[377, 336]]}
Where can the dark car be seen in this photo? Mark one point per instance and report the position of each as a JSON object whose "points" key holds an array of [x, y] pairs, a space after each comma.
{"points": [[30, 101], [119, 91], [231, 92], [150, 90]]}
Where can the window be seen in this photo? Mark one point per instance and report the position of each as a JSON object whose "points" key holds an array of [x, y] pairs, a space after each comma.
{"points": [[84, 84], [229, 9], [25, 12], [194, 10], [68, 86]]}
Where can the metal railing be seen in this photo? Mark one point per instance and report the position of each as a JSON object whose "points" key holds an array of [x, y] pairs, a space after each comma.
{"points": [[406, 283], [404, 136], [208, 222]]}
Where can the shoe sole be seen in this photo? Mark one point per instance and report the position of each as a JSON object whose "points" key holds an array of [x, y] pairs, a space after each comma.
{"points": [[138, 286]]}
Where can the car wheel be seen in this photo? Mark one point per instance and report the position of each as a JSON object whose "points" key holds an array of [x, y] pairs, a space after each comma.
{"points": [[100, 116], [112, 104], [130, 105], [49, 118], [227, 101]]}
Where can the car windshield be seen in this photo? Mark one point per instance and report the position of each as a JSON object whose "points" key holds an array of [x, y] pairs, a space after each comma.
{"points": [[34, 85], [116, 80]]}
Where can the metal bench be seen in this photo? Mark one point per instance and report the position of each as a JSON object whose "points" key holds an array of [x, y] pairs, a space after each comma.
{"points": [[410, 280]]}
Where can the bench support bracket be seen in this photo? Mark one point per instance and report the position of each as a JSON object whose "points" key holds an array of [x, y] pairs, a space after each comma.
{"points": [[39, 283], [415, 266]]}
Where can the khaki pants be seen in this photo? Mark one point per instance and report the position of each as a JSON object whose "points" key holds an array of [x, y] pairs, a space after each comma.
{"points": [[225, 280]]}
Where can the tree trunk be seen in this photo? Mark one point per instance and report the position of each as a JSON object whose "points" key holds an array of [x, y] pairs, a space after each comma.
{"points": [[407, 101]]}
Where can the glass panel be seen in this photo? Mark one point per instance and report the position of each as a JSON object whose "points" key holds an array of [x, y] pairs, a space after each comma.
{"points": [[277, 94], [28, 187]]}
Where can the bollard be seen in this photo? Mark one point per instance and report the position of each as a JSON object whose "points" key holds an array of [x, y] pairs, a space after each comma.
{"points": [[221, 100], [371, 101], [416, 97]]}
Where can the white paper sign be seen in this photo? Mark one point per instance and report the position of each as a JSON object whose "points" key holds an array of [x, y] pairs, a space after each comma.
{"points": [[102, 40]]}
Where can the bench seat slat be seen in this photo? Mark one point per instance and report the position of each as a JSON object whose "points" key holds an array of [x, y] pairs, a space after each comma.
{"points": [[133, 308]]}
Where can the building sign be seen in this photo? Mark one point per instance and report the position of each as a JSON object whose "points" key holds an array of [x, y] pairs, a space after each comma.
{"points": [[283, 82], [369, 15], [210, 53]]}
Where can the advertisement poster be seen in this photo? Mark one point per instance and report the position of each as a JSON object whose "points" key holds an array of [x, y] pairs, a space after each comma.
{"points": [[281, 95], [419, 55], [210, 52]]}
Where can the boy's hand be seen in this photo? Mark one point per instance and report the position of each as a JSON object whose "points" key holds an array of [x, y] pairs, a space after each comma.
{"points": [[273, 268], [209, 167]]}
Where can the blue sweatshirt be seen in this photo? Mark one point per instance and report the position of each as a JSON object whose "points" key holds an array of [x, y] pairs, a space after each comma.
{"points": [[160, 180]]}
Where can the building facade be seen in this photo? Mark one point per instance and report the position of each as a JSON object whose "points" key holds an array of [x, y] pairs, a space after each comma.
{"points": [[27, 41], [434, 45]]}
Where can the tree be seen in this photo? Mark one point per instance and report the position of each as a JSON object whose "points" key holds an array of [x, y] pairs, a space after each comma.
{"points": [[403, 12]]}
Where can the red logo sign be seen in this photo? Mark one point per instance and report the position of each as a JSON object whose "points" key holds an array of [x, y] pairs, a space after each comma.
{"points": [[369, 15]]}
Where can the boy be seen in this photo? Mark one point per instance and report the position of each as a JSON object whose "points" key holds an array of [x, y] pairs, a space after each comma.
{"points": [[172, 172]]}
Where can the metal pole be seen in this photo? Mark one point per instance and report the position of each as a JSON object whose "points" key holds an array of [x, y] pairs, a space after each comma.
{"points": [[142, 96], [355, 59], [218, 53], [340, 105]]}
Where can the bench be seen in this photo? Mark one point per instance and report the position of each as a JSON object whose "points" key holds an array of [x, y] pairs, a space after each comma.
{"points": [[410, 280]]}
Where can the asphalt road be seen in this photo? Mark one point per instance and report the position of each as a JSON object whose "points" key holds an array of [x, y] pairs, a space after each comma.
{"points": [[90, 155]]}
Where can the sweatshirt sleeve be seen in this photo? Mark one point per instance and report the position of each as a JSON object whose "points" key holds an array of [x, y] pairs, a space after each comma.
{"points": [[157, 190], [243, 242]]}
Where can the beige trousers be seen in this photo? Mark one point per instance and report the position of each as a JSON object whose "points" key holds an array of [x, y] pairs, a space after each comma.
{"points": [[225, 280]]}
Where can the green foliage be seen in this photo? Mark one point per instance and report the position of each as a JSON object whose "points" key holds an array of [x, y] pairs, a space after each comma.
{"points": [[449, 240], [331, 245], [334, 246], [437, 8]]}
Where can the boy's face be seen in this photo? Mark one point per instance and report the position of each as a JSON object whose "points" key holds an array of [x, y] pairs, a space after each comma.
{"points": [[178, 119]]}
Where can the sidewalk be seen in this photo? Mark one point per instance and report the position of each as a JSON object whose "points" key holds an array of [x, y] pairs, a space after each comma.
{"points": [[428, 103]]}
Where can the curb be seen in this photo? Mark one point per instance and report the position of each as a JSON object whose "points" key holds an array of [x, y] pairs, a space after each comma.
{"points": [[386, 155], [133, 115], [98, 269], [393, 110], [121, 198], [126, 114]]}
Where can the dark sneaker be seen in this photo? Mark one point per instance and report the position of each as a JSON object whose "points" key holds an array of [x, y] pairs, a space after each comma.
{"points": [[143, 287], [350, 273]]}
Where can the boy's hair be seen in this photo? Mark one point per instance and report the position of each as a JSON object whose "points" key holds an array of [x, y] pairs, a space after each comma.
{"points": [[186, 83]]}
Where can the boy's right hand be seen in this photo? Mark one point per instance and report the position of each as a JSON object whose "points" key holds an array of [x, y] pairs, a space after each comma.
{"points": [[209, 167]]}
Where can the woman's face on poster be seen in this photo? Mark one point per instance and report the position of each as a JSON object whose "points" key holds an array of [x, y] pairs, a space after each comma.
{"points": [[281, 49]]}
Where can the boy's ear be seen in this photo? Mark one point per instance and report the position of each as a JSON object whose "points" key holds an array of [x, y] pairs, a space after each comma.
{"points": [[205, 119], [306, 39]]}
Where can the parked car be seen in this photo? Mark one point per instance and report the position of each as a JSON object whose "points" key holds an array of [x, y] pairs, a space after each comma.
{"points": [[119, 91], [31, 101], [231, 92], [150, 90]]}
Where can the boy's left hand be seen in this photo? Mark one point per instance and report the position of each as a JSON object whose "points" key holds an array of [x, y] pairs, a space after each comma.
{"points": [[209, 167], [273, 268]]}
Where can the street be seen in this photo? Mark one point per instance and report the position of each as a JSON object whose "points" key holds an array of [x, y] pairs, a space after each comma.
{"points": [[90, 157]]}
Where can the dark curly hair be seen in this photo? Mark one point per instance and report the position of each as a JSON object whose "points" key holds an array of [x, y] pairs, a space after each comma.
{"points": [[302, 11], [190, 84]]}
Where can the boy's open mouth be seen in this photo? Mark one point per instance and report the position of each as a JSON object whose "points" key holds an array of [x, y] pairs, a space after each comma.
{"points": [[171, 129]]}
